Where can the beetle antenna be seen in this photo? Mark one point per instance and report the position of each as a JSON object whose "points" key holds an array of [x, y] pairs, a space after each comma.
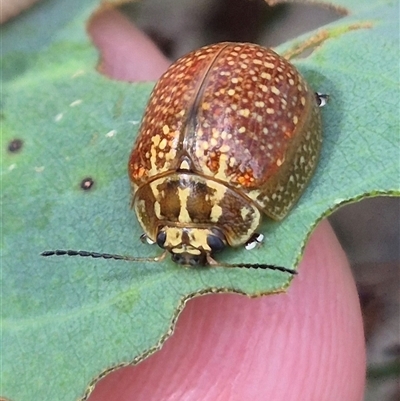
{"points": [[258, 266], [212, 262], [97, 255]]}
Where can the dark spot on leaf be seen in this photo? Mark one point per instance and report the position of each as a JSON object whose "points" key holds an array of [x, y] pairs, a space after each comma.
{"points": [[15, 145], [87, 183]]}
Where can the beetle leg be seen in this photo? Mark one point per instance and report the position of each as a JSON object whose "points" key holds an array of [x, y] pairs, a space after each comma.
{"points": [[322, 99], [255, 240], [146, 240], [210, 261]]}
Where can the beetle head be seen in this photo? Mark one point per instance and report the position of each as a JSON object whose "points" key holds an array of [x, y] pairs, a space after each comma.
{"points": [[193, 246]]}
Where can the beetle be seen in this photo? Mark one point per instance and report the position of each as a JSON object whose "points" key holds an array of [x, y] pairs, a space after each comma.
{"points": [[231, 132]]}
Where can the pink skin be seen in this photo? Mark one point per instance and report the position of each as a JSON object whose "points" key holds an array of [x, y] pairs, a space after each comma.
{"points": [[306, 344]]}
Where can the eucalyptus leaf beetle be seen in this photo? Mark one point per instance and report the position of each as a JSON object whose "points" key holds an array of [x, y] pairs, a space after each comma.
{"points": [[231, 132]]}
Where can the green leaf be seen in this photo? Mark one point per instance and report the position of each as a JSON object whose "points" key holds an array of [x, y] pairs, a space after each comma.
{"points": [[57, 313]]}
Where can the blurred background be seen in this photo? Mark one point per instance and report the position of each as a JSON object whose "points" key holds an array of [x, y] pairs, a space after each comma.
{"points": [[369, 230]]}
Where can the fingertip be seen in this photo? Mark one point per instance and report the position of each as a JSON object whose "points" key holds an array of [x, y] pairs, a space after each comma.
{"points": [[126, 53], [304, 344], [328, 318]]}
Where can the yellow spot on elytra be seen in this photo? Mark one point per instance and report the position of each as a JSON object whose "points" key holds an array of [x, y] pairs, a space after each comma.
{"points": [[244, 112], [153, 153], [163, 144], [165, 129], [222, 166], [224, 148], [269, 65], [156, 140], [215, 133], [275, 90]]}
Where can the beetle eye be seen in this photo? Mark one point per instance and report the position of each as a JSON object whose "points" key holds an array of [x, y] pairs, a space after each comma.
{"points": [[161, 237], [215, 243]]}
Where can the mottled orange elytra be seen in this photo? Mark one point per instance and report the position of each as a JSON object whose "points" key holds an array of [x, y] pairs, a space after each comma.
{"points": [[231, 132]]}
